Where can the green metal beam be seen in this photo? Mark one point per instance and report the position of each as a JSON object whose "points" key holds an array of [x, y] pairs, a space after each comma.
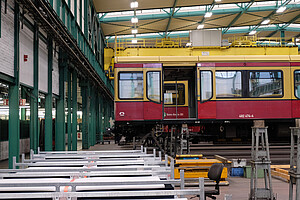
{"points": [[197, 13], [34, 120], [274, 12], [171, 16], [69, 102], [60, 108], [14, 121], [245, 9], [49, 96], [74, 111]]}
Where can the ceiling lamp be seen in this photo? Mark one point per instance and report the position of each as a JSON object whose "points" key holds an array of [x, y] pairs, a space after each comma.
{"points": [[208, 14], [134, 4], [134, 31], [218, 0], [200, 26], [134, 41], [281, 9], [252, 32], [266, 21], [134, 20]]}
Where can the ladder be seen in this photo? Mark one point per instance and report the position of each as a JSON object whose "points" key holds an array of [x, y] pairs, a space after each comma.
{"points": [[260, 160], [295, 163]]}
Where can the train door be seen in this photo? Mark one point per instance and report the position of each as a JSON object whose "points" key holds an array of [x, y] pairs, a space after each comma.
{"points": [[153, 96], [205, 93], [179, 92]]}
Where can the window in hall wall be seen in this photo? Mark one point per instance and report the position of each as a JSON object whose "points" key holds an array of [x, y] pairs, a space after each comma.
{"points": [[131, 85]]}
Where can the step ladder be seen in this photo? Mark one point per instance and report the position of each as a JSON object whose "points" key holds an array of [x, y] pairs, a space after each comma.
{"points": [[294, 164], [260, 160]]}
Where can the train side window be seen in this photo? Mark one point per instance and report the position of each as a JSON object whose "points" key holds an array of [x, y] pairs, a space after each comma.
{"points": [[228, 84], [297, 83], [265, 84], [153, 86], [206, 85], [131, 85]]}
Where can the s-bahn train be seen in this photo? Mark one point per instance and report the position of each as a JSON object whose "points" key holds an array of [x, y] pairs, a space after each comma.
{"points": [[218, 100]]}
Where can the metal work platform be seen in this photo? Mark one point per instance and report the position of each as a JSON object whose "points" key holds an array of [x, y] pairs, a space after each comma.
{"points": [[98, 174]]}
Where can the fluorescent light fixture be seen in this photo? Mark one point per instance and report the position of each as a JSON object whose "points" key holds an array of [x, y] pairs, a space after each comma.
{"points": [[200, 26], [134, 4], [266, 21], [134, 20], [208, 14], [134, 41], [281, 9], [252, 32], [134, 31], [218, 0], [188, 44], [297, 39]]}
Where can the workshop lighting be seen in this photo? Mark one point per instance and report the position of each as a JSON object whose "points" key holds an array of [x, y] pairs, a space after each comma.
{"points": [[134, 31], [134, 20], [134, 4], [200, 26], [218, 0], [208, 14], [281, 9], [134, 41], [266, 21], [252, 32]]}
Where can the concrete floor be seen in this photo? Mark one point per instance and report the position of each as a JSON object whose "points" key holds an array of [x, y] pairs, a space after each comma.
{"points": [[238, 187]]}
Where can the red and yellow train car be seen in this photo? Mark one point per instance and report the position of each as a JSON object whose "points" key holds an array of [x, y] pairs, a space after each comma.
{"points": [[231, 94]]}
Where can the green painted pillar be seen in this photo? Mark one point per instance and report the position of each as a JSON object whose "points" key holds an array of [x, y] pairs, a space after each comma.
{"points": [[90, 108], [69, 102], [101, 112], [85, 115], [282, 36], [97, 119], [48, 104], [34, 121], [86, 18], [93, 114], [74, 111], [60, 130], [14, 121], [80, 13]]}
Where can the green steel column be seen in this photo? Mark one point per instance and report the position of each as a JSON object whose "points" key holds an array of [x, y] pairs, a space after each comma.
{"points": [[86, 18], [93, 114], [63, 12], [80, 14], [34, 121], [90, 106], [97, 119], [48, 104], [69, 125], [74, 111], [58, 7], [100, 100], [51, 2], [60, 129], [85, 115], [14, 121], [282, 36]]}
